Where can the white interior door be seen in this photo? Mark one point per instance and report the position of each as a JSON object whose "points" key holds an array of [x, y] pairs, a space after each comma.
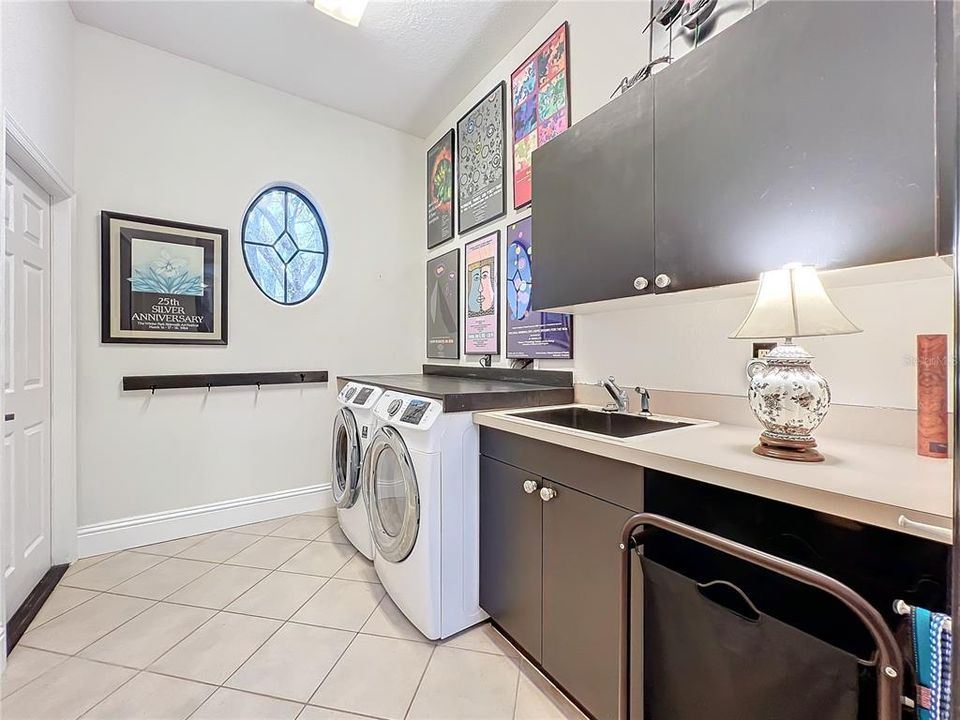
{"points": [[26, 386]]}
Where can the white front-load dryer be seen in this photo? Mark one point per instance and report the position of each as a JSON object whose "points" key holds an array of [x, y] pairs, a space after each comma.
{"points": [[353, 428], [421, 481]]}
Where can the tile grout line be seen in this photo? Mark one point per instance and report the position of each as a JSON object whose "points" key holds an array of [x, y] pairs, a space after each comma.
{"points": [[97, 594], [516, 691], [282, 624], [79, 587], [336, 662], [413, 698]]}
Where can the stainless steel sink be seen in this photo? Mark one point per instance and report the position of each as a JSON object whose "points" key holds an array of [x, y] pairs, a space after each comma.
{"points": [[614, 424]]}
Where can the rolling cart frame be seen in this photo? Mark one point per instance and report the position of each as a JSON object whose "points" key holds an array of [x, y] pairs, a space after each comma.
{"points": [[889, 660]]}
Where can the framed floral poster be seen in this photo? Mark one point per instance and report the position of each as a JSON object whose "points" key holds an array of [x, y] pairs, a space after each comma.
{"points": [[440, 180], [539, 105], [482, 161], [162, 282], [482, 326], [443, 306]]}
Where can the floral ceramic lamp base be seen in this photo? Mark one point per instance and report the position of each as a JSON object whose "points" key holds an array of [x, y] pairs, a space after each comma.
{"points": [[791, 400]]}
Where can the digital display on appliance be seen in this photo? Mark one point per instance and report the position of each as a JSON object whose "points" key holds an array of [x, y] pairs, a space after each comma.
{"points": [[414, 412], [363, 395]]}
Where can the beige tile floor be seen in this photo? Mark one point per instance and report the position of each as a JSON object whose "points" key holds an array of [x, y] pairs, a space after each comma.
{"points": [[279, 620]]}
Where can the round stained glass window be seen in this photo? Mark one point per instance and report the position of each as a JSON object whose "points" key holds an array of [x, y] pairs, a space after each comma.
{"points": [[284, 245]]}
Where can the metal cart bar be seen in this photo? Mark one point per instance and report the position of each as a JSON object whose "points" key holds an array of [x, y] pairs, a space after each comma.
{"points": [[890, 662]]}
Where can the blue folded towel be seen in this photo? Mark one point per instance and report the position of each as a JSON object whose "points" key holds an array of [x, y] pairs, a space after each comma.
{"points": [[932, 647]]}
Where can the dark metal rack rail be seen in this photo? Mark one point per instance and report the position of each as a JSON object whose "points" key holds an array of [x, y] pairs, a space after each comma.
{"points": [[889, 660], [212, 380]]}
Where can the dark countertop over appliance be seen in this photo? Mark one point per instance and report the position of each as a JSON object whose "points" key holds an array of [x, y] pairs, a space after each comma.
{"points": [[471, 388]]}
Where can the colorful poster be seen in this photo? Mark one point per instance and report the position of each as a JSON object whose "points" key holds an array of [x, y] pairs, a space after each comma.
{"points": [[440, 174], [482, 161], [162, 281], [482, 327], [443, 306], [530, 333], [540, 105]]}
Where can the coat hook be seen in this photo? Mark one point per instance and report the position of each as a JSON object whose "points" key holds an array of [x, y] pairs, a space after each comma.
{"points": [[303, 377], [153, 389], [208, 387], [258, 386]]}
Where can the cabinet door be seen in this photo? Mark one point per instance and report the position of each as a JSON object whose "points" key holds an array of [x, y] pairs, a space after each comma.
{"points": [[804, 132], [510, 551], [593, 205], [581, 597]]}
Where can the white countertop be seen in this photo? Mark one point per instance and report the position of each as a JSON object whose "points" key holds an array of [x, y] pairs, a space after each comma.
{"points": [[870, 483]]}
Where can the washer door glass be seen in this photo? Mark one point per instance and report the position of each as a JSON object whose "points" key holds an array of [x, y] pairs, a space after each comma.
{"points": [[393, 498], [346, 459]]}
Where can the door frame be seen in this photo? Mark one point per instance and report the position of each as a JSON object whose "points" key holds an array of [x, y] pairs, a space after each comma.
{"points": [[18, 146]]}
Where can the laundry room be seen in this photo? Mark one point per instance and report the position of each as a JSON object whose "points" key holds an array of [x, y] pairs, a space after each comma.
{"points": [[297, 425]]}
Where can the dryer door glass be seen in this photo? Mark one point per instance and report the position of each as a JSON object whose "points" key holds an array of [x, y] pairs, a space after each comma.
{"points": [[390, 484], [346, 459], [391, 494]]}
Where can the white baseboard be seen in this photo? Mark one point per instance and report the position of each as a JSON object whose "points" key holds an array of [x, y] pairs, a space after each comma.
{"points": [[158, 527]]}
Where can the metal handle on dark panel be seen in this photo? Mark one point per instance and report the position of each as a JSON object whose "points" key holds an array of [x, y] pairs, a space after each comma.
{"points": [[547, 494], [529, 486]]}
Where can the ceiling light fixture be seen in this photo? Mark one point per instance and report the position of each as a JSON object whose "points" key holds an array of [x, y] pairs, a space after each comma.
{"points": [[347, 11]]}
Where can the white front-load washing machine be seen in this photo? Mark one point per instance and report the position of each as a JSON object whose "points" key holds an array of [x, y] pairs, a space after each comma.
{"points": [[421, 481], [353, 428]]}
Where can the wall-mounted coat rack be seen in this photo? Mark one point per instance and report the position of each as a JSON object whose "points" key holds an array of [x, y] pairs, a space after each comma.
{"points": [[212, 380]]}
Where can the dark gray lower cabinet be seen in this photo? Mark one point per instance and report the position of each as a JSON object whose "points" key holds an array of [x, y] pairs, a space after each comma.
{"points": [[581, 597], [510, 552], [550, 569]]}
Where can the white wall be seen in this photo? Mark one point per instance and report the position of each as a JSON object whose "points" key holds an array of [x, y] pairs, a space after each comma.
{"points": [[161, 136], [680, 343], [38, 76]]}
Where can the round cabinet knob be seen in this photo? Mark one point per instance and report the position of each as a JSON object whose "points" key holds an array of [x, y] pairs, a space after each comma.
{"points": [[641, 283], [547, 494], [662, 280], [529, 486]]}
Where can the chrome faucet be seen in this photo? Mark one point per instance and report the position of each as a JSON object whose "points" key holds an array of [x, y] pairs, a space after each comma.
{"points": [[621, 402], [619, 395]]}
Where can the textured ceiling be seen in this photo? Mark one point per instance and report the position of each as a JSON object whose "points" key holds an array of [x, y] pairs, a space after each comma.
{"points": [[407, 64]]}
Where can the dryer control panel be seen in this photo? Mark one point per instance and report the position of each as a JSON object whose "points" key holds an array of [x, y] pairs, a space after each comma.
{"points": [[364, 396], [408, 410]]}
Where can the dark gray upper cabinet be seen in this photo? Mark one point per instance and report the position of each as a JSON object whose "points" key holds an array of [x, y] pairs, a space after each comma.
{"points": [[593, 205], [804, 133]]}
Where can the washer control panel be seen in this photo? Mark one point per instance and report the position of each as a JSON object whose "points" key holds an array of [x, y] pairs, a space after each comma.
{"points": [[408, 410], [363, 396]]}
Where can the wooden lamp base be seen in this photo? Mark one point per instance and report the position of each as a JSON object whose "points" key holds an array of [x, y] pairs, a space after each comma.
{"points": [[799, 450]]}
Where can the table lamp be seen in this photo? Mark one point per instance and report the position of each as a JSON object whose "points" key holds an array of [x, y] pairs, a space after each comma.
{"points": [[788, 397]]}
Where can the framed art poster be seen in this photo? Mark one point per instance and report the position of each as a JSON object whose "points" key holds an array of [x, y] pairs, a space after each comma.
{"points": [[540, 106], [162, 282], [530, 333], [440, 176], [482, 161], [482, 326], [443, 306]]}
